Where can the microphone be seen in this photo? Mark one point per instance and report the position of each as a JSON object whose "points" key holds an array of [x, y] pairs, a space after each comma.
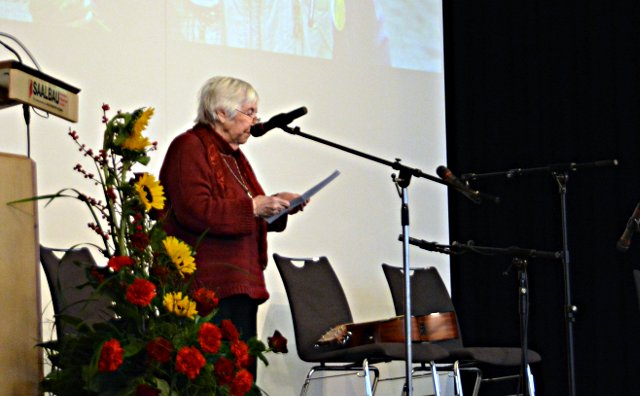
{"points": [[451, 180], [632, 227], [277, 121], [426, 245], [474, 195]]}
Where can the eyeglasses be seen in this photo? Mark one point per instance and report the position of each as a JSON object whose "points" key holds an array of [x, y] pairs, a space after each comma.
{"points": [[251, 114]]}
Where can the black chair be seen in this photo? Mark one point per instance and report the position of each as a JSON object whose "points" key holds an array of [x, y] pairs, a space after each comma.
{"points": [[318, 303], [429, 294], [73, 298]]}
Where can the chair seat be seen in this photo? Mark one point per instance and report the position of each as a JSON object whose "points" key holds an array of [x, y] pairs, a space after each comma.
{"points": [[493, 355], [420, 352]]}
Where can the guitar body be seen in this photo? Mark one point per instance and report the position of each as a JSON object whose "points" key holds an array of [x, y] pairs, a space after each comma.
{"points": [[439, 326], [427, 328]]}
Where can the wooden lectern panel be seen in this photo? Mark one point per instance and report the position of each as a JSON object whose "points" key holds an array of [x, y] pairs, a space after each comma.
{"points": [[20, 359]]}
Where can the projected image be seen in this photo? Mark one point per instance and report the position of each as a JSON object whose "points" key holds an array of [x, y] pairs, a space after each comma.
{"points": [[282, 26], [15, 10], [399, 34], [71, 13]]}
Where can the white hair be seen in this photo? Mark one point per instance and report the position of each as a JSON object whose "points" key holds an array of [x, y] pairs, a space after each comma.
{"points": [[223, 93]]}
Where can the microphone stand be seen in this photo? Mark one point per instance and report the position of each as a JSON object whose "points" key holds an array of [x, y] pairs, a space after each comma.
{"points": [[561, 173], [402, 181], [518, 262]]}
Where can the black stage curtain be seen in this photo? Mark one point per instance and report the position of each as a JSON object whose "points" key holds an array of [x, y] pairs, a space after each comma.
{"points": [[531, 84]]}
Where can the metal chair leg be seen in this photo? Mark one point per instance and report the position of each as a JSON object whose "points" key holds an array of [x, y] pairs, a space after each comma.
{"points": [[307, 381], [371, 375], [532, 387], [367, 378], [436, 379], [457, 379], [476, 385]]}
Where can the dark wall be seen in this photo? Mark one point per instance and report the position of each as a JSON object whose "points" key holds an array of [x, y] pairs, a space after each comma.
{"points": [[530, 84]]}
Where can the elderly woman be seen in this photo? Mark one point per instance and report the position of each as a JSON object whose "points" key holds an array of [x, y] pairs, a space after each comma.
{"points": [[216, 204]]}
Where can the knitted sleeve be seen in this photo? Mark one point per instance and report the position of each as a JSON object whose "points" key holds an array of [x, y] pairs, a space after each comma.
{"points": [[197, 193]]}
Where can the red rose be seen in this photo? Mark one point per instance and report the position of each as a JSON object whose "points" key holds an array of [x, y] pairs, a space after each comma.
{"points": [[140, 240], [111, 356], [118, 262], [147, 390], [160, 272], [241, 383], [210, 337], [206, 300], [277, 343], [229, 330], [189, 361], [141, 292], [241, 351], [160, 349], [223, 369]]}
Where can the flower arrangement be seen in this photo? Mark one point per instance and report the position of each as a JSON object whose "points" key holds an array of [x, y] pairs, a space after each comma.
{"points": [[161, 339]]}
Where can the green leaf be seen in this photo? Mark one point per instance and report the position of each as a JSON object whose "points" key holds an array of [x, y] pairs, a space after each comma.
{"points": [[165, 389], [134, 347]]}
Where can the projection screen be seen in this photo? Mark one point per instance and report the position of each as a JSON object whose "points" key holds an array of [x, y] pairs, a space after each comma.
{"points": [[370, 73]]}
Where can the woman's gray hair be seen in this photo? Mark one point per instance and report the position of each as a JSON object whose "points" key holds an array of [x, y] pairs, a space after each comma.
{"points": [[223, 93]]}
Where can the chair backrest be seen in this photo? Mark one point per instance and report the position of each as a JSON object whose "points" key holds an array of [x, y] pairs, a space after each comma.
{"points": [[429, 294], [636, 277], [71, 294], [316, 298]]}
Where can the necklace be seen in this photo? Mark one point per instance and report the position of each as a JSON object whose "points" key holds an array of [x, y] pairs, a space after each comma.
{"points": [[237, 176]]}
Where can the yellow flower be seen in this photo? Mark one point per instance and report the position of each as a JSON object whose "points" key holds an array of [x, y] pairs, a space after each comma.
{"points": [[137, 142], [142, 121], [180, 254], [181, 306], [150, 191]]}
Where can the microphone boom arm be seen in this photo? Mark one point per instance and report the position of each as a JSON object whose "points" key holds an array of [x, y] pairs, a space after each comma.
{"points": [[405, 171], [460, 248]]}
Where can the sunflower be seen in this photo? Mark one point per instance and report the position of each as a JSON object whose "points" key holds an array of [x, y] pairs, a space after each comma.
{"points": [[150, 192], [180, 254], [135, 141], [142, 121], [181, 306]]}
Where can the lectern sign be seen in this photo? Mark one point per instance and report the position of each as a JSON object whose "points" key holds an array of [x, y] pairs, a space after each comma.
{"points": [[22, 84], [47, 95]]}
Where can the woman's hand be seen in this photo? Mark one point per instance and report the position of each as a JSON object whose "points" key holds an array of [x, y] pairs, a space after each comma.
{"points": [[267, 206], [289, 196]]}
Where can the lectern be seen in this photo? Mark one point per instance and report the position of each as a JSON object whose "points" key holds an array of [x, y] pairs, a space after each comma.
{"points": [[20, 360], [20, 312]]}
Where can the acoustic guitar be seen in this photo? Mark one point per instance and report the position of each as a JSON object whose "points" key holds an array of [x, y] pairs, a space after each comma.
{"points": [[437, 326]]}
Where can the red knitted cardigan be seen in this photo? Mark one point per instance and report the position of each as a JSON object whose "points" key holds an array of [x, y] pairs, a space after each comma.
{"points": [[208, 208]]}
